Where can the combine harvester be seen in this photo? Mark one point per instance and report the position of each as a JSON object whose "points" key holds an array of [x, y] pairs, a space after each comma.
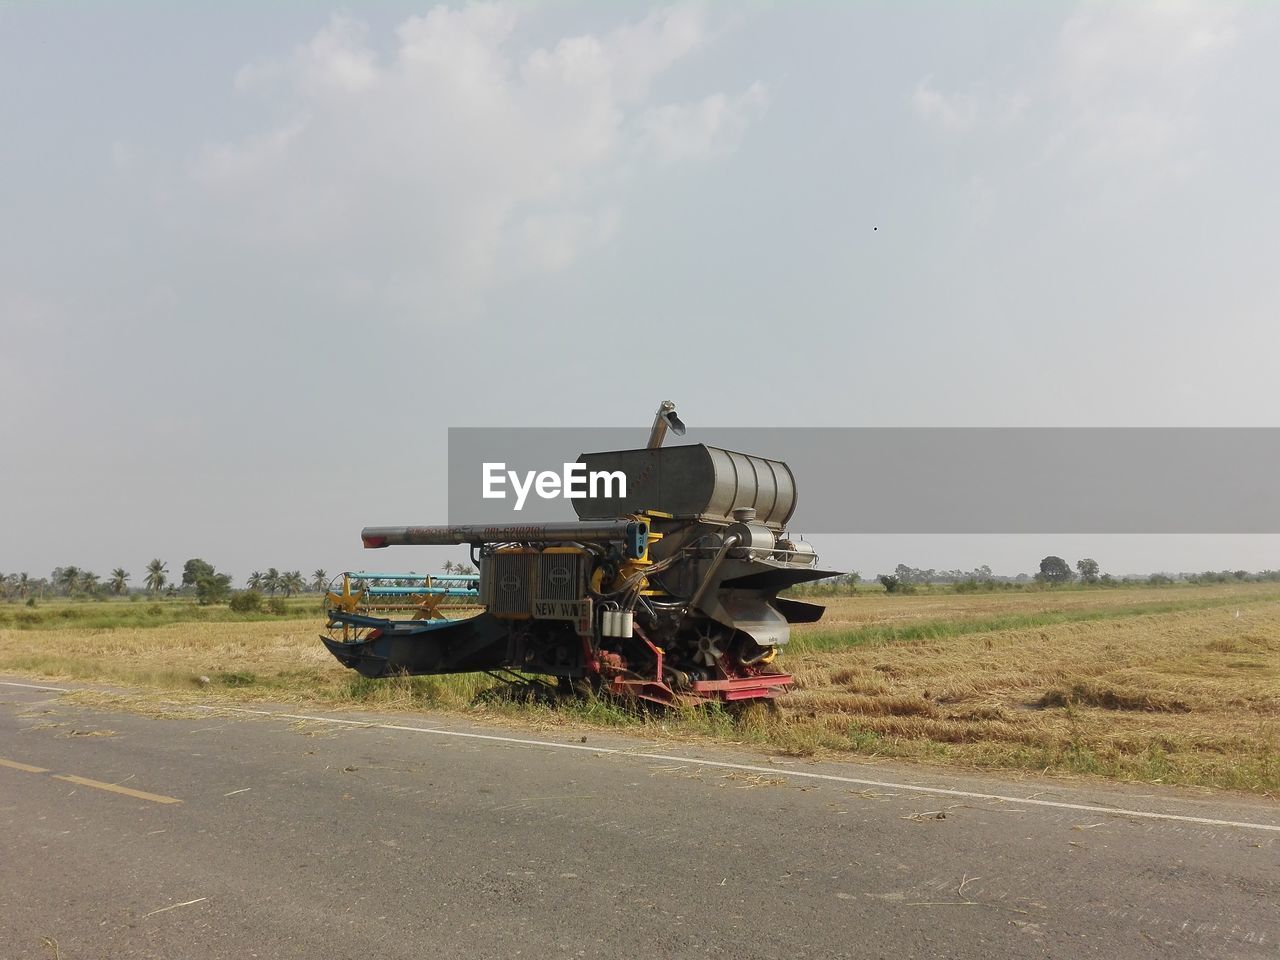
{"points": [[668, 594]]}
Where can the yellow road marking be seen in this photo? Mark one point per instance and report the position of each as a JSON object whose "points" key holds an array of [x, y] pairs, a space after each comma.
{"points": [[116, 788], [21, 766]]}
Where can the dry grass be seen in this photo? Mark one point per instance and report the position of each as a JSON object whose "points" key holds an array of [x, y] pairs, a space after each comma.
{"points": [[874, 618], [1153, 685], [1191, 696], [887, 608]]}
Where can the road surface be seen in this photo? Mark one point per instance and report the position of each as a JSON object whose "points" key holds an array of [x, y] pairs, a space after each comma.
{"points": [[281, 833]]}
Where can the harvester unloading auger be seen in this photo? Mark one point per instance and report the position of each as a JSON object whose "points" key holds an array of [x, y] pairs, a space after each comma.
{"points": [[668, 594]]}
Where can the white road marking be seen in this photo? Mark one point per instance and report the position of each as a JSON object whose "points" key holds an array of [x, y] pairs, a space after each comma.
{"points": [[174, 906], [774, 771], [727, 765]]}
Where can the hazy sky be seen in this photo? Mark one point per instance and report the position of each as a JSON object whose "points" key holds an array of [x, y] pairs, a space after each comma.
{"points": [[255, 259]]}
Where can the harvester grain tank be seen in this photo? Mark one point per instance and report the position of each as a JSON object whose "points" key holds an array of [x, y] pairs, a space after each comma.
{"points": [[668, 593]]}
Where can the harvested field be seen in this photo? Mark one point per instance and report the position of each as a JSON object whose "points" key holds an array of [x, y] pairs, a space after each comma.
{"points": [[1166, 685], [1187, 696]]}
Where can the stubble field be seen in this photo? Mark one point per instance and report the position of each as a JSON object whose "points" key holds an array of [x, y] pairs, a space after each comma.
{"points": [[1172, 685]]}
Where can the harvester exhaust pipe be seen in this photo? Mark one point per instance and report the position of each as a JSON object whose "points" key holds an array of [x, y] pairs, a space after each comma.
{"points": [[730, 542], [664, 418]]}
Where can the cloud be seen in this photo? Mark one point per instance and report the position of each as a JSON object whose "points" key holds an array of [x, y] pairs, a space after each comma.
{"points": [[459, 155], [31, 326], [953, 112], [1128, 81], [1119, 93], [704, 130]]}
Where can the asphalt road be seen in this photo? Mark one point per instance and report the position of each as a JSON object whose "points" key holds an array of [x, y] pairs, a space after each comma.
{"points": [[244, 835]]}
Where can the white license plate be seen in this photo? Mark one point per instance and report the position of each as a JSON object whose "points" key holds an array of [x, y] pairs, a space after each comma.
{"points": [[561, 609]]}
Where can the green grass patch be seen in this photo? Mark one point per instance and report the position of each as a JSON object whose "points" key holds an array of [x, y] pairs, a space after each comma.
{"points": [[115, 614], [944, 629]]}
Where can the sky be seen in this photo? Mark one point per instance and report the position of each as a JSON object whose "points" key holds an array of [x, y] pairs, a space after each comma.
{"points": [[256, 259]]}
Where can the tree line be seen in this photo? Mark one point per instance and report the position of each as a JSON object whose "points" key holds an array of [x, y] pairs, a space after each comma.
{"points": [[1054, 570], [199, 578], [208, 585]]}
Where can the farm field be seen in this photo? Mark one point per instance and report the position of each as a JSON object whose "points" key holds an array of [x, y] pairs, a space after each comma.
{"points": [[1177, 685]]}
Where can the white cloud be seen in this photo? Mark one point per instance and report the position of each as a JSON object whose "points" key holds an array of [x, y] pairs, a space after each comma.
{"points": [[123, 154], [961, 112], [1119, 93], [1128, 79], [458, 154], [551, 241], [954, 112], [30, 327], [704, 130]]}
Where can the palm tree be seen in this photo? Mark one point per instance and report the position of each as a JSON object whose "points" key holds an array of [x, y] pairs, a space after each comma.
{"points": [[24, 585], [271, 580], [119, 582], [157, 571], [320, 580], [256, 580], [448, 566], [292, 583], [89, 582], [69, 579]]}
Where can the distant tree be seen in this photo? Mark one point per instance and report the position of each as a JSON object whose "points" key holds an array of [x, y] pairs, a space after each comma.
{"points": [[1088, 569], [24, 585], [212, 587], [194, 569], [68, 579], [246, 601], [293, 582], [271, 581], [119, 581], [1159, 580], [448, 566], [890, 582], [1055, 570], [320, 580], [157, 575], [89, 582], [464, 569], [257, 580]]}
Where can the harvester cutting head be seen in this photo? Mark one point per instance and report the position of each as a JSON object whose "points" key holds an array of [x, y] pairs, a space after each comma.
{"points": [[666, 593]]}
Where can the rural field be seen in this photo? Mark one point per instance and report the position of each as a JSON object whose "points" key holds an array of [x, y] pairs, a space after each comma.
{"points": [[1175, 685]]}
